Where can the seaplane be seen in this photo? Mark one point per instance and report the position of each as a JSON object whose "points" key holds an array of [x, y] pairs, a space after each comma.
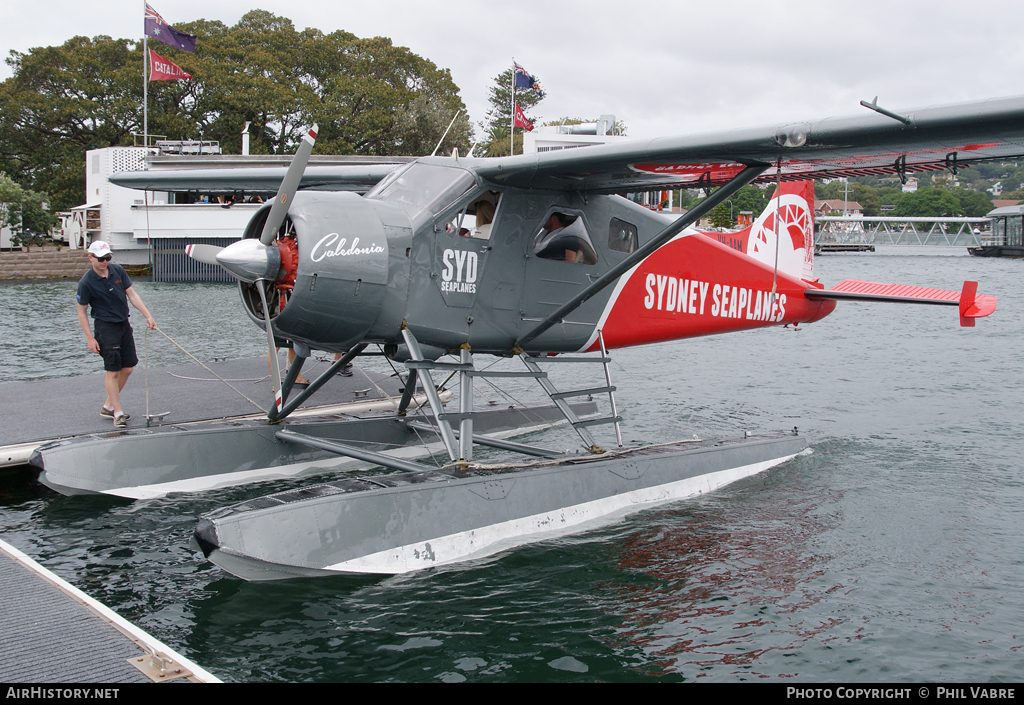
{"points": [[447, 261]]}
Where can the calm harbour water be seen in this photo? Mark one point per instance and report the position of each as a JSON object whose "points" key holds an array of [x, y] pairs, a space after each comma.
{"points": [[893, 553]]}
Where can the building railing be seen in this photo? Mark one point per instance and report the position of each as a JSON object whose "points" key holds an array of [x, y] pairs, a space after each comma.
{"points": [[891, 230]]}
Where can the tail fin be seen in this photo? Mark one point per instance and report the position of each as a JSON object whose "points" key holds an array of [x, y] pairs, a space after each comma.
{"points": [[795, 239]]}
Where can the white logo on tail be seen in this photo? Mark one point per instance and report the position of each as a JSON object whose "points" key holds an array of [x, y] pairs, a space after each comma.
{"points": [[796, 238]]}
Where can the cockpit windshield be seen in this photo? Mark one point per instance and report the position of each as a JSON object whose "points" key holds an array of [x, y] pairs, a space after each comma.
{"points": [[425, 186]]}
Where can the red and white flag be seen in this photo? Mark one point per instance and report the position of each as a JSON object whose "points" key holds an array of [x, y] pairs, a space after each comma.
{"points": [[519, 119], [161, 69]]}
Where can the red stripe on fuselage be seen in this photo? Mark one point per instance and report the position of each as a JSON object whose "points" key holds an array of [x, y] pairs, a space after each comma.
{"points": [[694, 286]]}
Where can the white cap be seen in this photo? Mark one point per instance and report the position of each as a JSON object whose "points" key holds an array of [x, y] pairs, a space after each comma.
{"points": [[99, 249]]}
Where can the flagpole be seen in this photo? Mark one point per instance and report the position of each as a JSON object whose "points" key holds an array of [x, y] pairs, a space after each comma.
{"points": [[512, 128], [145, 79]]}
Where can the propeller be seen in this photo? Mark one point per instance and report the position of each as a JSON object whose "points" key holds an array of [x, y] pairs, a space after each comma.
{"points": [[203, 253], [259, 261], [246, 259], [289, 185]]}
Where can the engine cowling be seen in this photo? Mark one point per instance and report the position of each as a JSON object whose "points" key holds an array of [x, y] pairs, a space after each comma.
{"points": [[342, 278]]}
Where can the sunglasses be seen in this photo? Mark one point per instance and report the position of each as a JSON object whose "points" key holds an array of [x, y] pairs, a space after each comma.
{"points": [[104, 258]]}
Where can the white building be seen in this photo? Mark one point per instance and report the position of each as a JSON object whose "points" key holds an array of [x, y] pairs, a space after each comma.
{"points": [[107, 212], [551, 137], [152, 228]]}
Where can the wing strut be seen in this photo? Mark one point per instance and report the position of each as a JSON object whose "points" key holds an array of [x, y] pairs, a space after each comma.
{"points": [[279, 413], [742, 179]]}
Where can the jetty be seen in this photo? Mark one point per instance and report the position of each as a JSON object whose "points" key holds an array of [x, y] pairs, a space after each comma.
{"points": [[183, 396], [55, 633]]}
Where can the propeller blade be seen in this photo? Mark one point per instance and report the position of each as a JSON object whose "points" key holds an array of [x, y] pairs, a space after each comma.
{"points": [[275, 367], [289, 185], [250, 260], [203, 253]]}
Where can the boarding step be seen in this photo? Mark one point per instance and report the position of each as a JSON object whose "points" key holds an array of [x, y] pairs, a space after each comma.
{"points": [[468, 369], [583, 392], [599, 421]]}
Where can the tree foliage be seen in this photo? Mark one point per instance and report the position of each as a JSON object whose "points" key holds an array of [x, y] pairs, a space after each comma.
{"points": [[368, 96], [927, 201], [720, 217], [23, 210]]}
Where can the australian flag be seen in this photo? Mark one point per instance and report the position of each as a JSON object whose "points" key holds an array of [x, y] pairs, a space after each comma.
{"points": [[163, 32], [525, 80]]}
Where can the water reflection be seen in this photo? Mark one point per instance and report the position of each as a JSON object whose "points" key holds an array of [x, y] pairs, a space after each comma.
{"points": [[730, 577]]}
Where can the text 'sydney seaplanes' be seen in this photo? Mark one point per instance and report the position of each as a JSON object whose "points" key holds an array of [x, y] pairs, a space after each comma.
{"points": [[533, 257]]}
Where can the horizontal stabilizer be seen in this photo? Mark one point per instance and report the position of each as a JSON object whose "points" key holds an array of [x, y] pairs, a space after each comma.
{"points": [[971, 304]]}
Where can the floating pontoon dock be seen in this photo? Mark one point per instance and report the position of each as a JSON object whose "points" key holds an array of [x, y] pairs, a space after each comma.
{"points": [[40, 411], [55, 633]]}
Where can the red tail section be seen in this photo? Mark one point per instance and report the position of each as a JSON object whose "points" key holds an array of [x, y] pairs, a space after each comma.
{"points": [[709, 283], [696, 286], [795, 238]]}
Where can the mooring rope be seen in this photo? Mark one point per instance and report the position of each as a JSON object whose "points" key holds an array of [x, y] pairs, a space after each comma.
{"points": [[200, 363], [207, 379]]}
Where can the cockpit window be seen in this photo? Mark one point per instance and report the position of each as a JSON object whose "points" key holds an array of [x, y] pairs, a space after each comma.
{"points": [[564, 237], [425, 186], [476, 218]]}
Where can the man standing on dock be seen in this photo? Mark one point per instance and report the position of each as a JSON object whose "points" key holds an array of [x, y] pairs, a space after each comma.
{"points": [[107, 287]]}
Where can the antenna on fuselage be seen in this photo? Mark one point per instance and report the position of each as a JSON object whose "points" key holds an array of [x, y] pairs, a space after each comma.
{"points": [[446, 133]]}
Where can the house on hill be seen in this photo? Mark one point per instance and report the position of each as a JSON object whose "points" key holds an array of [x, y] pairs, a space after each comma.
{"points": [[837, 206]]}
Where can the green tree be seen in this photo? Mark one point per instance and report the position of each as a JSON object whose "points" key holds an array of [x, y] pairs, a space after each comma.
{"points": [[24, 210], [752, 198], [498, 121], [62, 101], [720, 217], [1017, 195], [368, 96], [928, 203], [973, 204]]}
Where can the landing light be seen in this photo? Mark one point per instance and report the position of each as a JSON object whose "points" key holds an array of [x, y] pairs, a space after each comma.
{"points": [[792, 135]]}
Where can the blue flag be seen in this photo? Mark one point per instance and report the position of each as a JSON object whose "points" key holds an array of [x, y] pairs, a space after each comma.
{"points": [[163, 32], [525, 80]]}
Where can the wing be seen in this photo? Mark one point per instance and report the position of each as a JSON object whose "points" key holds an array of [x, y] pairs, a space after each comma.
{"points": [[334, 178], [933, 138]]}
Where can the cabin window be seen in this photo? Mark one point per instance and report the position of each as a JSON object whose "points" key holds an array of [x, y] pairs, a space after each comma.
{"points": [[563, 237], [622, 236], [476, 218]]}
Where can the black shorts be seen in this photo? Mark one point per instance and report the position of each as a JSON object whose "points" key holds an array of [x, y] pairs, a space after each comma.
{"points": [[117, 345]]}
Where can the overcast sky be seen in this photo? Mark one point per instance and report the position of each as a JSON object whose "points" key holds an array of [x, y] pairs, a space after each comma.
{"points": [[662, 67]]}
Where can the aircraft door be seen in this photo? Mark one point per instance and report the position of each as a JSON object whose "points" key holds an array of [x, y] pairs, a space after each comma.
{"points": [[460, 251], [561, 261]]}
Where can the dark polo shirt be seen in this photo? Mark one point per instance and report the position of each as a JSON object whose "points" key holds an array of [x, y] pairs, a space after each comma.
{"points": [[106, 295]]}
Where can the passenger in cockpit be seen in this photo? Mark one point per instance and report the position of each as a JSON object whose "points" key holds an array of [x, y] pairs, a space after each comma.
{"points": [[484, 217]]}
